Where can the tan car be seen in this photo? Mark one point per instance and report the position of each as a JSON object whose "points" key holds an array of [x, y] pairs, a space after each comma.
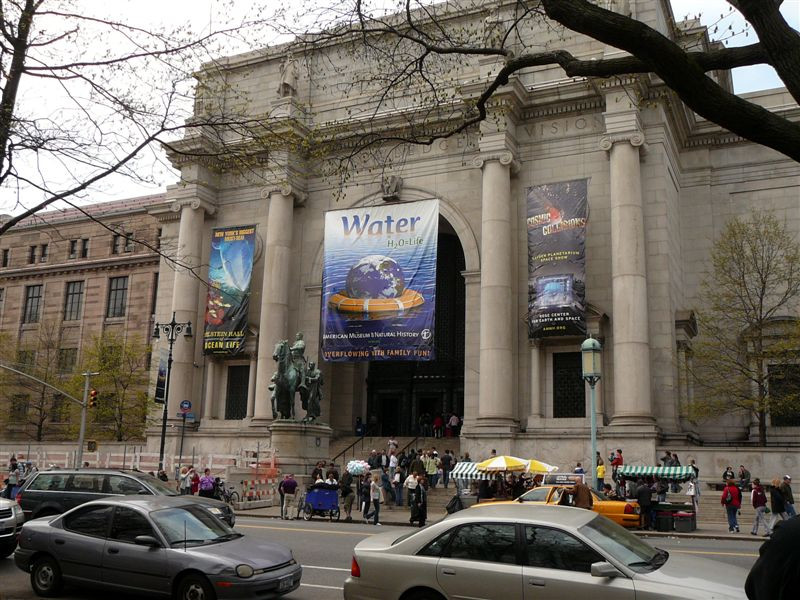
{"points": [[627, 514], [530, 552]]}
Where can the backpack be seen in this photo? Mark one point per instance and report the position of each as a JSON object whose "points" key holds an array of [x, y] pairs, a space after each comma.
{"points": [[454, 505], [728, 497]]}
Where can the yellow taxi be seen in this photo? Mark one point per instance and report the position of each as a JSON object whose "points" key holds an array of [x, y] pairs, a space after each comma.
{"points": [[627, 514]]}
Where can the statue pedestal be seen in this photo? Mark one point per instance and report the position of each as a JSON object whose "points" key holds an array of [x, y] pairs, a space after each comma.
{"points": [[299, 446]]}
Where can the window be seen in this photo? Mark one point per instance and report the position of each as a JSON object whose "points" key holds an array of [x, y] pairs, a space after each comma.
{"points": [[25, 359], [31, 255], [67, 359], [122, 242], [117, 297], [116, 243], [19, 408], [129, 242], [59, 409], [438, 546], [43, 256], [33, 304], [83, 482], [73, 300], [569, 395], [73, 249], [6, 257], [90, 520], [154, 297], [236, 398], [490, 542], [118, 484], [127, 524], [84, 248], [784, 390], [52, 482], [536, 495], [547, 548]]}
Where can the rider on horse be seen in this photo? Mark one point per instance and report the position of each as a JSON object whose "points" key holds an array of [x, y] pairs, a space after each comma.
{"points": [[298, 351]]}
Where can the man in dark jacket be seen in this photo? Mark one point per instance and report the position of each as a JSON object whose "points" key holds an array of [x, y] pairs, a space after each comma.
{"points": [[788, 497], [775, 575], [582, 496], [644, 496]]}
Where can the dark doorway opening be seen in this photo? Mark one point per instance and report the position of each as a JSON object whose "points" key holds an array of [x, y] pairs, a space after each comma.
{"points": [[399, 392], [236, 398]]}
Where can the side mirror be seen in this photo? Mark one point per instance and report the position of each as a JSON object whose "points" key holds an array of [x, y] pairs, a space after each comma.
{"points": [[603, 569], [149, 540]]}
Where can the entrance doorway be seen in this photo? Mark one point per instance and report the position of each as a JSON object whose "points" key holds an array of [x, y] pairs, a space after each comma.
{"points": [[400, 392]]}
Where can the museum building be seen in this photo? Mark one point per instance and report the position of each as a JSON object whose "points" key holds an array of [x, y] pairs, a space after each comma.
{"points": [[661, 183]]}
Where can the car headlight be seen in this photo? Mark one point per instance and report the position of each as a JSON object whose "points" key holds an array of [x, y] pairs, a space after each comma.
{"points": [[244, 571], [16, 509], [215, 511]]}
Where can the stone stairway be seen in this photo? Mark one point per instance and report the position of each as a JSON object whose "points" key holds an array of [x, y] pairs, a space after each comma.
{"points": [[364, 445]]}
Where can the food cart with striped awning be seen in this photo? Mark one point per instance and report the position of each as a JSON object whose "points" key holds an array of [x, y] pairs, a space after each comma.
{"points": [[676, 473], [469, 471]]}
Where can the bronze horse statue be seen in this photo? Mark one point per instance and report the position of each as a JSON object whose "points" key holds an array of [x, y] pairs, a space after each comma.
{"points": [[286, 382]]}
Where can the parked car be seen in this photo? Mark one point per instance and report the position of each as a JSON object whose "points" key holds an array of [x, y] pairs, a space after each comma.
{"points": [[531, 552], [54, 492], [622, 512], [11, 520], [162, 545]]}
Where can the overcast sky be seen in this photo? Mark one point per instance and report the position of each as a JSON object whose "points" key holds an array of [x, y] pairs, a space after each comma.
{"points": [[209, 14]]}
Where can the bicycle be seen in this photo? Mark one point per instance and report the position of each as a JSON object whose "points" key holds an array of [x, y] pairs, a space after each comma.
{"points": [[228, 494]]}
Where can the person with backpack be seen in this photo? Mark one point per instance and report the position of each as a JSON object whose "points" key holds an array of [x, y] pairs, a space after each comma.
{"points": [[758, 498], [207, 484], [732, 501], [348, 495]]}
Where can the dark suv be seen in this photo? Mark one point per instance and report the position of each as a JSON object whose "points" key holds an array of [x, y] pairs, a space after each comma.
{"points": [[54, 492]]}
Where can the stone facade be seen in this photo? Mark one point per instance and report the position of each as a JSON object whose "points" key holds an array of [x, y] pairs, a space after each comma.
{"points": [[57, 272], [662, 183]]}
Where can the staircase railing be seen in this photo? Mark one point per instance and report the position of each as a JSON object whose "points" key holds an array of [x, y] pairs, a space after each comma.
{"points": [[343, 453], [410, 444]]}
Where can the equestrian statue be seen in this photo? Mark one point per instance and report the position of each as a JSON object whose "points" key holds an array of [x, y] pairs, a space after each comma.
{"points": [[295, 375]]}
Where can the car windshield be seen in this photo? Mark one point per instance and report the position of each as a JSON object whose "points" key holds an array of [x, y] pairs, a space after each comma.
{"points": [[161, 488], [191, 525], [622, 545]]}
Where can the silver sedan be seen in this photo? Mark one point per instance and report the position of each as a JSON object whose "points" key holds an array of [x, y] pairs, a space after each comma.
{"points": [[525, 552], [157, 545]]}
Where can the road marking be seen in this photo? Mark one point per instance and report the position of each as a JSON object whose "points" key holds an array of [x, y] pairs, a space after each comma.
{"points": [[713, 553], [324, 587], [325, 568], [239, 525]]}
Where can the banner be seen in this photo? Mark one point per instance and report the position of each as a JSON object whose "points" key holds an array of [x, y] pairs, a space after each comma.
{"points": [[379, 282], [229, 273], [556, 259], [161, 378]]}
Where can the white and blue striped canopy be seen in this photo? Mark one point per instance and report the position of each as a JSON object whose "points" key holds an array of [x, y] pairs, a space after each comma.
{"points": [[469, 470], [665, 472]]}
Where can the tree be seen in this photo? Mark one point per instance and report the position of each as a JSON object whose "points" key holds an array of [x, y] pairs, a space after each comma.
{"points": [[749, 322], [415, 59], [121, 383]]}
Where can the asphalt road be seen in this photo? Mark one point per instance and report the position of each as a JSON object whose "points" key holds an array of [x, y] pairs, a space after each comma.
{"points": [[325, 550]]}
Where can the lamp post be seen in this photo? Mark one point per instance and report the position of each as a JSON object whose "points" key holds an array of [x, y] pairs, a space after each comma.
{"points": [[171, 330], [591, 352]]}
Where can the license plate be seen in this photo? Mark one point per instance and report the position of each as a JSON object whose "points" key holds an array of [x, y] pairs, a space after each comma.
{"points": [[285, 584]]}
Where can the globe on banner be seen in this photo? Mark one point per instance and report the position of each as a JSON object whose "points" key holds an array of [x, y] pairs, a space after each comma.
{"points": [[375, 283]]}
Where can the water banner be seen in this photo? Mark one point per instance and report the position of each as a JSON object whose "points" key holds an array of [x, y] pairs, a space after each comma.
{"points": [[230, 270], [379, 282], [556, 223]]}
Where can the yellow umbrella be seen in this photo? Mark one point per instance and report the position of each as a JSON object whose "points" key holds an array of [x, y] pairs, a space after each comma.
{"points": [[537, 466], [503, 463]]}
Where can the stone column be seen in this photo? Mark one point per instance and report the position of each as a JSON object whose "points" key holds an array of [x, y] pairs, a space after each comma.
{"points": [[495, 400], [537, 408], [208, 401], [632, 398], [274, 320], [251, 387], [185, 294]]}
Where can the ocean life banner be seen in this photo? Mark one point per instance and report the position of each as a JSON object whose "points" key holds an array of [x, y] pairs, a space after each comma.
{"points": [[230, 270], [556, 223], [379, 282]]}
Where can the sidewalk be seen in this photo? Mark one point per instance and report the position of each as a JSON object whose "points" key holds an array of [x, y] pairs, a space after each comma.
{"points": [[399, 517]]}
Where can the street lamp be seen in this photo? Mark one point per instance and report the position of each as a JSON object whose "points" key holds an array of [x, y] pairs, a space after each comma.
{"points": [[171, 330], [591, 351]]}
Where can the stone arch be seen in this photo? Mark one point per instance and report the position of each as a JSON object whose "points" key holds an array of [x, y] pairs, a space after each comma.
{"points": [[447, 210]]}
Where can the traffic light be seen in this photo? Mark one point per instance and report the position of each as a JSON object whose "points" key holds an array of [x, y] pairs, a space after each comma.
{"points": [[92, 398]]}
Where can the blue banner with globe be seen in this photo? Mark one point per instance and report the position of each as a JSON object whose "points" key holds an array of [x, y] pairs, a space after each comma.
{"points": [[379, 282], [230, 268]]}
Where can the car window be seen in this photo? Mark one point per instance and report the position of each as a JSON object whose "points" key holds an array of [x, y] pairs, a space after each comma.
{"points": [[128, 523], [160, 488], [119, 484], [49, 481], [618, 542], [89, 520], [84, 482], [535, 495], [191, 523], [437, 546], [489, 542], [554, 549]]}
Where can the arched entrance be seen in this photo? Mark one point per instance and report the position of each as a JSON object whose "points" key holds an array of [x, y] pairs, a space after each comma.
{"points": [[398, 393]]}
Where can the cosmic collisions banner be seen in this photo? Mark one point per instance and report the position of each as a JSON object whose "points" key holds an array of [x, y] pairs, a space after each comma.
{"points": [[556, 258], [230, 270], [379, 282]]}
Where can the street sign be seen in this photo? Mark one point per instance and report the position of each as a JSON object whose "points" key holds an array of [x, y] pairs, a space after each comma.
{"points": [[189, 415], [186, 406]]}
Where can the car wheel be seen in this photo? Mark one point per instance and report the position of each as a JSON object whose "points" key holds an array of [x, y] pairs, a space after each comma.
{"points": [[234, 499], [335, 514], [7, 549], [308, 512], [46, 577], [195, 587]]}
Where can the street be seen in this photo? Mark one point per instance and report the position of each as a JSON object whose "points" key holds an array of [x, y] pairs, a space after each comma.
{"points": [[325, 550]]}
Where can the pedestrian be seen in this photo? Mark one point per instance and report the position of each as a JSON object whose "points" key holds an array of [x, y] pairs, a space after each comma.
{"points": [[410, 484], [387, 487], [392, 445], [330, 478], [777, 503], [162, 475], [600, 473], [438, 426], [666, 459], [281, 495], [466, 458], [375, 496], [348, 495], [732, 501], [419, 509], [696, 478], [397, 482], [431, 469], [744, 478], [360, 430], [644, 496], [609, 492], [582, 496], [447, 465], [207, 484], [394, 461], [453, 422], [788, 497], [691, 491], [616, 463], [728, 474], [374, 461], [364, 495], [759, 501], [195, 479], [675, 463], [579, 469], [775, 575], [661, 489], [289, 484], [185, 481]]}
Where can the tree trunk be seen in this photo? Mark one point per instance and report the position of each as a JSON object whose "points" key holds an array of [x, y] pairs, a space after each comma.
{"points": [[762, 428]]}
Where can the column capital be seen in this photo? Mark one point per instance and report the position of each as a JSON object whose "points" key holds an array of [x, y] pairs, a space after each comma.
{"points": [[504, 157], [285, 189], [634, 138], [176, 206]]}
